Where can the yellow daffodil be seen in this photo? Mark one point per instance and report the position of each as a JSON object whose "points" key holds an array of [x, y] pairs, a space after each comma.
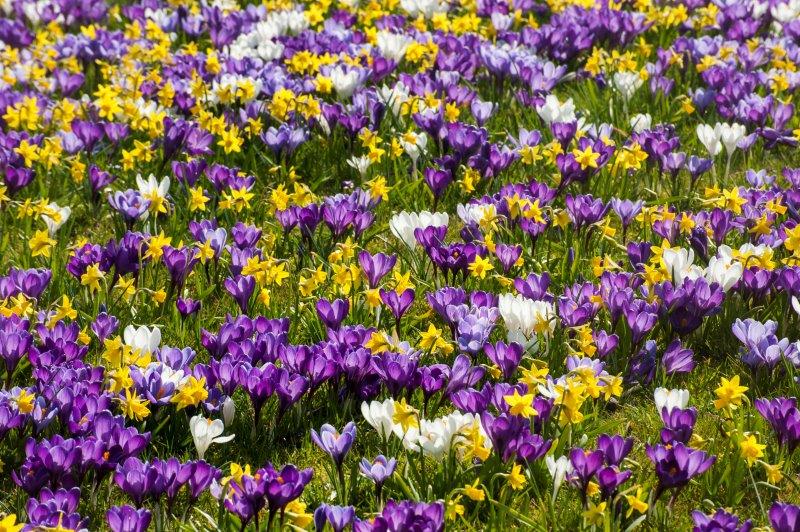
{"points": [[729, 393]]}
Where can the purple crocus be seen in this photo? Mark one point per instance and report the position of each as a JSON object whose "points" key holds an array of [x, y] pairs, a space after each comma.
{"points": [[17, 178], [432, 379], [504, 431], [398, 371], [203, 475], [189, 172], [284, 486], [128, 519], [245, 236], [179, 263], [698, 166], [241, 288], [678, 425], [104, 325], [482, 111], [339, 517], [676, 465], [247, 496], [15, 341], [678, 359], [610, 478], [405, 515], [98, 180], [139, 480], [784, 517], [437, 181], [784, 417], [10, 418], [336, 444], [379, 470], [762, 347], [627, 210], [130, 204], [507, 255], [534, 287], [376, 266], [641, 318], [585, 210], [584, 466], [719, 521], [615, 448], [187, 306], [505, 356], [89, 133], [397, 303], [463, 375], [55, 507], [475, 324], [333, 313]]}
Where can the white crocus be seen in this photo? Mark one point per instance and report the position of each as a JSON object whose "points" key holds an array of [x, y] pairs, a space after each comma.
{"points": [[730, 135], [627, 83], [205, 432], [476, 213], [559, 469], [426, 8], [154, 190], [786, 11], [758, 9], [260, 41], [142, 340], [394, 97], [677, 263], [176, 377], [33, 10], [670, 399], [723, 269], [393, 45], [361, 164], [641, 122], [403, 225], [149, 108], [55, 217], [414, 144], [525, 318], [436, 437], [228, 411], [344, 81], [380, 415], [710, 138], [796, 305], [554, 111]]}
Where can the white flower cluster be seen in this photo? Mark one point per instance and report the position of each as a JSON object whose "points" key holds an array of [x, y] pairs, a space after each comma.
{"points": [[426, 8], [526, 318], [260, 42], [725, 268], [434, 438], [713, 138]]}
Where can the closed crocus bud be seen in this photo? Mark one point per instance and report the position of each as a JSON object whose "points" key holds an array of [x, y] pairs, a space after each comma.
{"points": [[709, 137], [228, 411]]}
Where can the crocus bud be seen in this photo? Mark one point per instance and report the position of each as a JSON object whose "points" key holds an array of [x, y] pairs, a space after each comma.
{"points": [[228, 411]]}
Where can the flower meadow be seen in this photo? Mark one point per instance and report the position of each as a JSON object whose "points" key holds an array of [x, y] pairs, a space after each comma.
{"points": [[399, 265]]}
